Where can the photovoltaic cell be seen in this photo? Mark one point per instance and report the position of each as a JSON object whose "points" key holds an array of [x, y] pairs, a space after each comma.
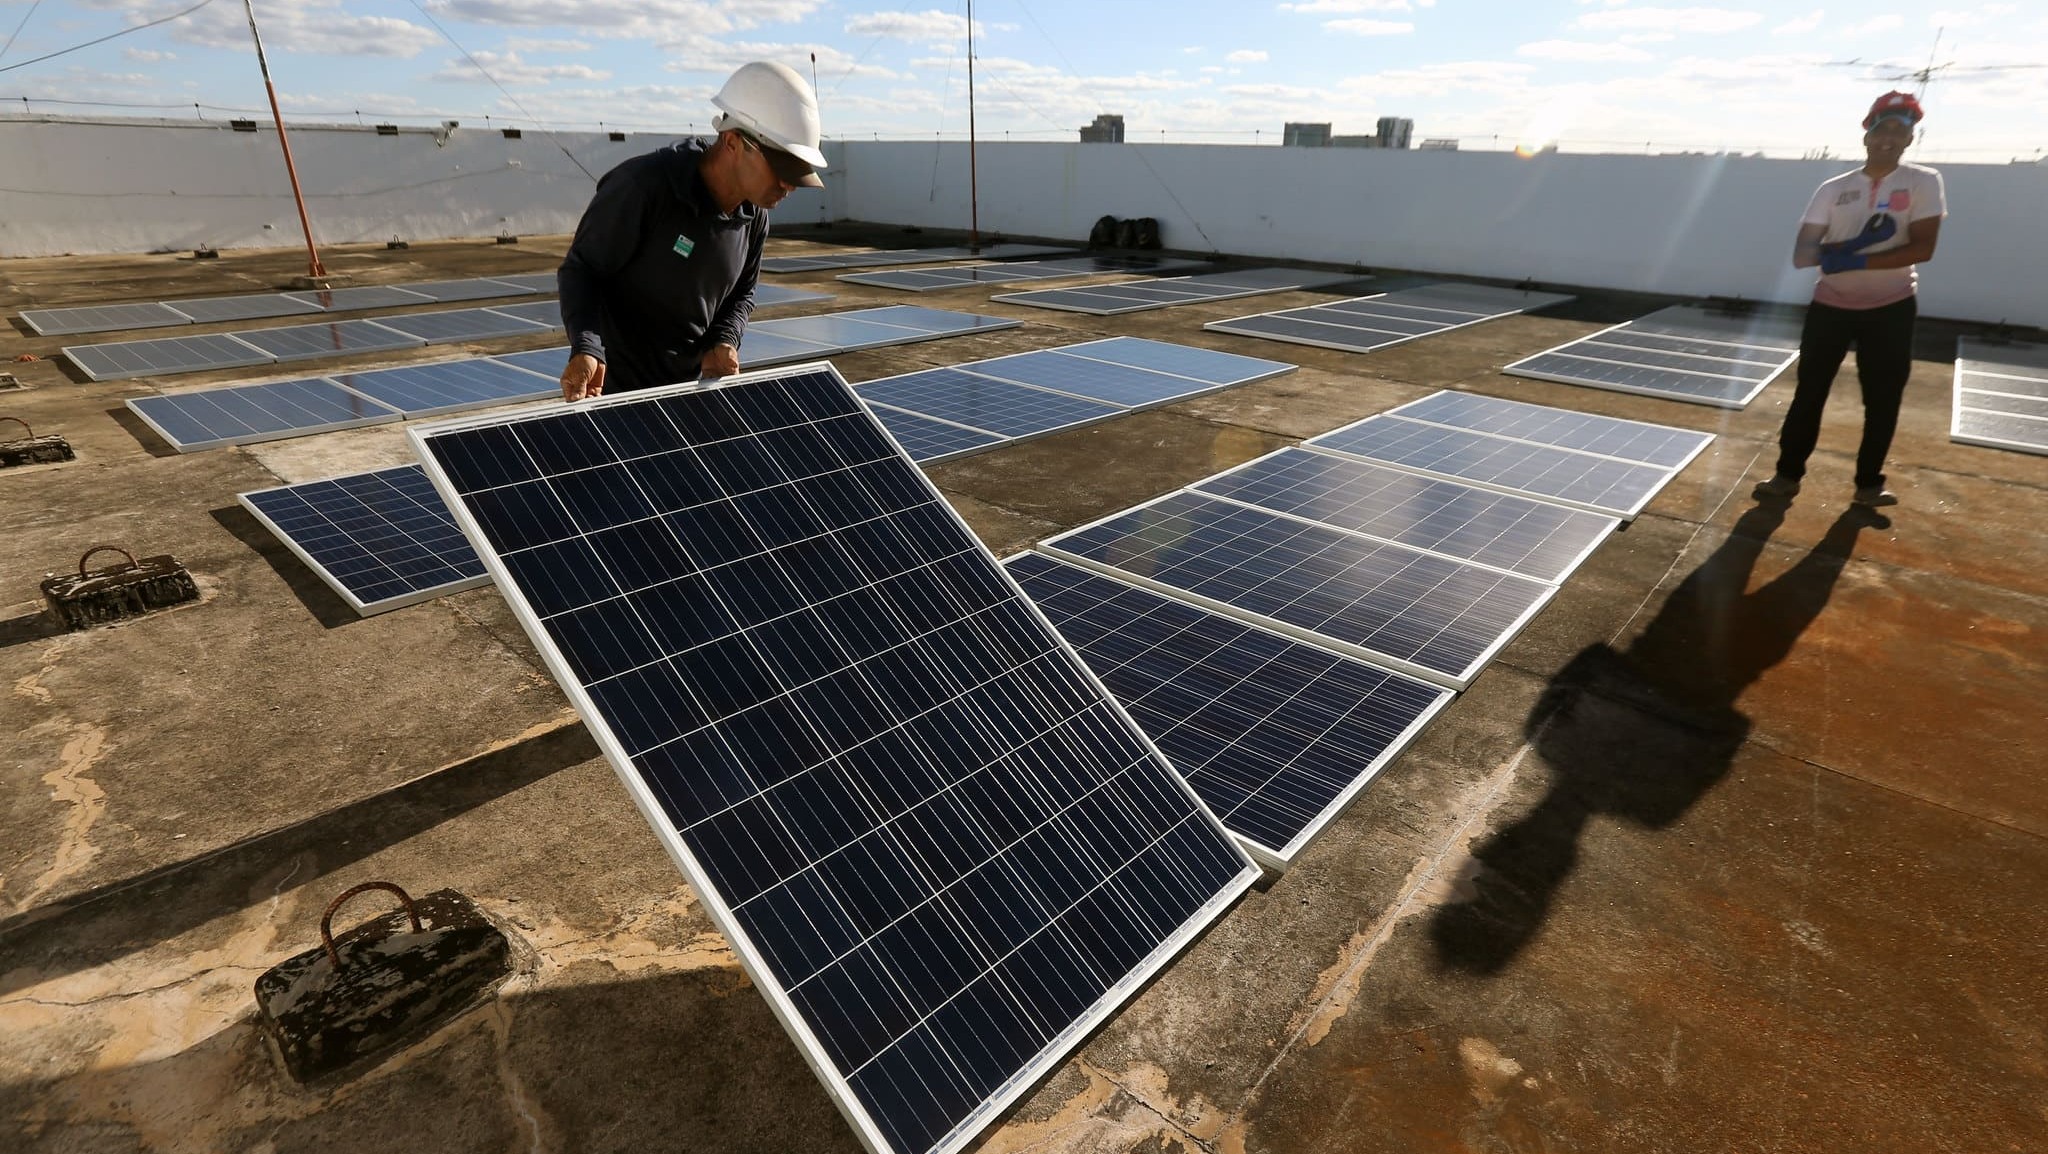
{"points": [[547, 313], [114, 360], [375, 296], [1108, 381], [770, 295], [2001, 395], [470, 289], [1659, 445], [1680, 354], [547, 362], [1275, 735], [763, 346], [935, 322], [381, 539], [1501, 530], [247, 306], [936, 844], [1363, 324], [249, 413], [843, 332], [540, 282], [1199, 364], [927, 439], [1416, 612], [328, 339], [1004, 408], [451, 386], [461, 324], [1601, 484], [101, 318]]}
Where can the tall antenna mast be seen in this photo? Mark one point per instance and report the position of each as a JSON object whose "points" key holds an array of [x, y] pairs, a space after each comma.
{"points": [[973, 181], [313, 267]]}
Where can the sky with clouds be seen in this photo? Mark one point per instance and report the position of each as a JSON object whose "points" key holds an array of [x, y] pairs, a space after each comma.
{"points": [[1589, 75]]}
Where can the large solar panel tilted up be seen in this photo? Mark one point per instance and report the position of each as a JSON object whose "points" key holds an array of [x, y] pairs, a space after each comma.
{"points": [[2001, 397], [939, 847], [1683, 353]]}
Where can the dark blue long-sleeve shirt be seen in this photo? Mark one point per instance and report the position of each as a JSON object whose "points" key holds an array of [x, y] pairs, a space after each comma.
{"points": [[657, 275]]}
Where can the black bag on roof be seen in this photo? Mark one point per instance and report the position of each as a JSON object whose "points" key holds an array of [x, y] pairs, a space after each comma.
{"points": [[1127, 234], [1148, 233], [1103, 235]]}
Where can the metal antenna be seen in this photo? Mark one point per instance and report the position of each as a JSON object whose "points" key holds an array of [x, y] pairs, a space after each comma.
{"points": [[973, 183], [313, 266]]}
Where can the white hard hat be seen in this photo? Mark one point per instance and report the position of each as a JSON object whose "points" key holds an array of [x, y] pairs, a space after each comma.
{"points": [[772, 102]]}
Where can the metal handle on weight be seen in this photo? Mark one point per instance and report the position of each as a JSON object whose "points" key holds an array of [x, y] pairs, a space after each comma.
{"points": [[327, 919], [98, 548]]}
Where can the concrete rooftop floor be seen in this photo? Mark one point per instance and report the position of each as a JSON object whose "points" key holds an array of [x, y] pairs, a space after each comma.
{"points": [[1740, 846]]}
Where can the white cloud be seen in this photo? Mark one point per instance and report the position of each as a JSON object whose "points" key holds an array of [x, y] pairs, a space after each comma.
{"points": [[1342, 7], [928, 27], [642, 19], [148, 55], [1971, 17], [1371, 27], [1691, 21], [1247, 56], [525, 44], [508, 69], [1581, 51], [313, 27], [1801, 26], [1878, 24]]}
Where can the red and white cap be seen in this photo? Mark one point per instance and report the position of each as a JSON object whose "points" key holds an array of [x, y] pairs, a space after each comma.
{"points": [[1903, 105]]}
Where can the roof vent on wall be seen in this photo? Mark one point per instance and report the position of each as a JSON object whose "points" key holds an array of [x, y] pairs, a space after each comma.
{"points": [[240, 125], [617, 135], [511, 133], [387, 130]]}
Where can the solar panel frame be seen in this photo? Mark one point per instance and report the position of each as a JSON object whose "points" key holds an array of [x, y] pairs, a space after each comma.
{"points": [[1139, 296], [1248, 735], [474, 288], [1664, 446], [174, 416], [1647, 480], [337, 338], [1392, 311], [545, 313], [1195, 362], [1008, 409], [442, 387], [867, 1125], [1406, 508], [452, 326], [1622, 358], [244, 307], [1999, 399], [102, 318], [396, 502], [372, 296], [1341, 557], [159, 356], [929, 440]]}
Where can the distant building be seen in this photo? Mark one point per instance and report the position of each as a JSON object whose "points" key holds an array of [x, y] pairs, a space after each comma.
{"points": [[1107, 129], [1354, 142], [1440, 143], [1395, 131], [1298, 134]]}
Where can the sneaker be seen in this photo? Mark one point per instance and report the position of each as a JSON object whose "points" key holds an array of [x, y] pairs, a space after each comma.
{"points": [[1875, 496], [1779, 485]]}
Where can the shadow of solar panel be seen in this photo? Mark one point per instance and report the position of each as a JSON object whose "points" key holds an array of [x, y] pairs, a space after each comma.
{"points": [[770, 295], [1276, 736], [1601, 484], [248, 306], [154, 356], [376, 296], [329, 339], [929, 440], [1117, 384], [1005, 408], [101, 318], [1416, 612], [547, 362], [1500, 530], [451, 386], [463, 324], [249, 413], [938, 847], [1181, 360], [1659, 445], [547, 313], [470, 289], [381, 539]]}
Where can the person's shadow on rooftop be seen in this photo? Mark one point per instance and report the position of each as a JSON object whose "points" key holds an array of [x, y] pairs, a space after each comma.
{"points": [[1643, 733]]}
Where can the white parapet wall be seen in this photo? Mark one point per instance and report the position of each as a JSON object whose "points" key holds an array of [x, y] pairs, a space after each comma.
{"points": [[1683, 225]]}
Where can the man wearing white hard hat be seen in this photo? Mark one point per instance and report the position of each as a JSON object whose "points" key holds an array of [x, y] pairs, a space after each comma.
{"points": [[659, 282]]}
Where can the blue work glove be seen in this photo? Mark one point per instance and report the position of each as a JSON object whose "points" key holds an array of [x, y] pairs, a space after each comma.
{"points": [[1836, 258], [1880, 229]]}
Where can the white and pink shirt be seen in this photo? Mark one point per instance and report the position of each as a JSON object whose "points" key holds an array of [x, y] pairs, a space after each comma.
{"points": [[1846, 203]]}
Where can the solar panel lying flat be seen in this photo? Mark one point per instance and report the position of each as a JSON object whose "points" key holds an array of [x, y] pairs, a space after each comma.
{"points": [[114, 360], [328, 339], [1499, 530], [248, 306], [451, 386], [1275, 735], [1588, 481], [927, 279], [381, 540], [770, 295], [827, 260], [1005, 408], [938, 847], [929, 440], [469, 289], [1681, 353], [374, 296], [547, 362], [547, 313], [249, 413], [450, 325], [2001, 395], [540, 282], [1659, 445], [1363, 324], [101, 318], [1137, 296], [251, 306], [1416, 612]]}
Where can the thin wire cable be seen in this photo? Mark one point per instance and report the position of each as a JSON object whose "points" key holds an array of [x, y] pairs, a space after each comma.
{"points": [[18, 27], [102, 39], [503, 91]]}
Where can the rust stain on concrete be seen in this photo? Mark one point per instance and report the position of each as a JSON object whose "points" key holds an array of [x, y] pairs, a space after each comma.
{"points": [[87, 802]]}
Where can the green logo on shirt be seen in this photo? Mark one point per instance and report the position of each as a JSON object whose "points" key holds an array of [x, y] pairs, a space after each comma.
{"points": [[684, 245]]}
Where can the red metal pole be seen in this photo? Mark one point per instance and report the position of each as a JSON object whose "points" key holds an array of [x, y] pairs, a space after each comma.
{"points": [[313, 265]]}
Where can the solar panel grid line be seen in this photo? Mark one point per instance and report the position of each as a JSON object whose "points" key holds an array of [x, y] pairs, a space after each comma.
{"points": [[1675, 362], [1545, 472], [1640, 442], [157, 356], [439, 388], [1129, 387], [1514, 539], [930, 440], [1308, 331], [2019, 404], [2016, 421], [1565, 369], [372, 583], [1731, 350], [1010, 409], [101, 318], [328, 339], [972, 1079], [2016, 382], [247, 414], [1386, 307], [1277, 775], [1194, 362], [1310, 608]]}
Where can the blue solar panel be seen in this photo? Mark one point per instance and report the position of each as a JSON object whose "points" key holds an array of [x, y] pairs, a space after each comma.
{"points": [[935, 322], [471, 289], [1599, 483], [1659, 445], [1276, 736], [1000, 407], [1181, 360], [934, 841], [451, 386], [770, 295], [1519, 534], [375, 296], [547, 313], [328, 339], [1363, 324], [114, 360], [1413, 611], [540, 282], [102, 318], [547, 362], [843, 332], [762, 346], [247, 306], [381, 539], [249, 413], [927, 439], [468, 324], [1099, 380]]}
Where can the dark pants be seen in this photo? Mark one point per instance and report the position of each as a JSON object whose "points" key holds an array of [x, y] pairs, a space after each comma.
{"points": [[1883, 338]]}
